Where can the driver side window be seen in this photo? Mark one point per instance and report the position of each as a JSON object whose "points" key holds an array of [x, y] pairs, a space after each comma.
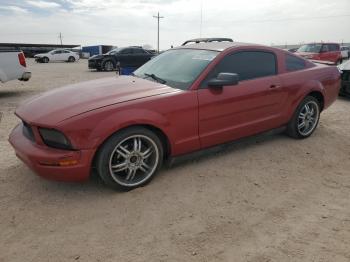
{"points": [[325, 48], [247, 64]]}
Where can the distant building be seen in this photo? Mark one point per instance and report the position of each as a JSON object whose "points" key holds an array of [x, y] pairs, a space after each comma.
{"points": [[95, 50], [30, 50]]}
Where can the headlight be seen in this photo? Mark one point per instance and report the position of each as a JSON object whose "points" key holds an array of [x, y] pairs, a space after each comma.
{"points": [[54, 138]]}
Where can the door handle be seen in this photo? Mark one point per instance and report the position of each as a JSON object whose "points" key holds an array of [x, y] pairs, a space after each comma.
{"points": [[274, 86]]}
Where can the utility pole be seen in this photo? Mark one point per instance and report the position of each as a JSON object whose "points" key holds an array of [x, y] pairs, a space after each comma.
{"points": [[158, 18], [201, 22], [60, 37]]}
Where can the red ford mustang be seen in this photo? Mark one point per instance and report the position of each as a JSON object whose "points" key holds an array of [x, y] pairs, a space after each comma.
{"points": [[185, 99]]}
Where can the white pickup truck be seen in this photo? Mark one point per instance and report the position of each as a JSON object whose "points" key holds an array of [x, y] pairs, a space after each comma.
{"points": [[13, 66]]}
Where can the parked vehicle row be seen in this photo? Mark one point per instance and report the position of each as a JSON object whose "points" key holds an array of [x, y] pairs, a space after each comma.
{"points": [[186, 99], [132, 56], [13, 66], [57, 55], [329, 52]]}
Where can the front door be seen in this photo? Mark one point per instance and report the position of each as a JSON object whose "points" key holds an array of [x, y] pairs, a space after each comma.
{"points": [[252, 106]]}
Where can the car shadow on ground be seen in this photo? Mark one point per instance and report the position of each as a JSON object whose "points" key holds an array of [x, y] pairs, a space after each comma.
{"points": [[344, 98], [13, 93], [227, 148]]}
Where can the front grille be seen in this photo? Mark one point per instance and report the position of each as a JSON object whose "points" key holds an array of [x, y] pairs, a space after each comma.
{"points": [[28, 131], [92, 63]]}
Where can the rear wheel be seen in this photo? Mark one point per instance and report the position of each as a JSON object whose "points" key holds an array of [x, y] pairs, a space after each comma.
{"points": [[108, 65], [130, 158], [305, 118]]}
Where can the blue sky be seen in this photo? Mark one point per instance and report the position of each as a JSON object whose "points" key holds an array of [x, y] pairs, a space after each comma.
{"points": [[126, 22]]}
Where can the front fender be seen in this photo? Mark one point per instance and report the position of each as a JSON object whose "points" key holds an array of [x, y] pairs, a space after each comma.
{"points": [[90, 131], [126, 118]]}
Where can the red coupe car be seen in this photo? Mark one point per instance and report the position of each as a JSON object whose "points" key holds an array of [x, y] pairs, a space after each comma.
{"points": [[186, 99]]}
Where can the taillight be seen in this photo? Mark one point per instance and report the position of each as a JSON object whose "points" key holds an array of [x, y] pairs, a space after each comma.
{"points": [[22, 59]]}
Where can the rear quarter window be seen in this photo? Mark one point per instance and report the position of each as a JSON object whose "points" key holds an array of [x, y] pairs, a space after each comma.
{"points": [[294, 63], [138, 51]]}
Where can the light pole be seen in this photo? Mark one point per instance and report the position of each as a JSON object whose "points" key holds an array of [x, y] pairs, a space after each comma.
{"points": [[158, 18]]}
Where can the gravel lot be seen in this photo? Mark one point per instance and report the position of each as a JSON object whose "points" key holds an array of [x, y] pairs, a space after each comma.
{"points": [[267, 198]]}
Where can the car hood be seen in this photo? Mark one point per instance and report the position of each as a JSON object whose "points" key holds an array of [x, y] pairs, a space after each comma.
{"points": [[41, 55], [306, 54], [57, 105], [98, 56]]}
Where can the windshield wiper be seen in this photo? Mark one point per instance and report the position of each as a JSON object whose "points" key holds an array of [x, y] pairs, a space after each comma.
{"points": [[158, 79]]}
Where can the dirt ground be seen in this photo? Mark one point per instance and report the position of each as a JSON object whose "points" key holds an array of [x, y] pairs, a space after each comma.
{"points": [[267, 198]]}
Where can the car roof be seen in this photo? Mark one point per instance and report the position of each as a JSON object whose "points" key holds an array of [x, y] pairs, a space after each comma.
{"points": [[216, 46], [60, 49]]}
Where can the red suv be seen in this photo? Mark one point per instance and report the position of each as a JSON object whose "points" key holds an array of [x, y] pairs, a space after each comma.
{"points": [[329, 52]]}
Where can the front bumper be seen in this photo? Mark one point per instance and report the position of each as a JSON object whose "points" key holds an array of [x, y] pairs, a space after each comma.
{"points": [[94, 64], [26, 76], [37, 157], [39, 59], [345, 84]]}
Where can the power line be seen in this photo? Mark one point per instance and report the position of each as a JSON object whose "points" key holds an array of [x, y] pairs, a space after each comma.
{"points": [[158, 18], [290, 19]]}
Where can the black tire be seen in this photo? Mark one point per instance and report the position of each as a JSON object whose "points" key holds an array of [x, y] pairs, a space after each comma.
{"points": [[110, 157], [339, 62], [108, 65], [46, 59], [71, 59], [293, 127]]}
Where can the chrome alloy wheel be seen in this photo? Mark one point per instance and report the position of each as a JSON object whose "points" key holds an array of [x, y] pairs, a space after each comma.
{"points": [[134, 160], [308, 118]]}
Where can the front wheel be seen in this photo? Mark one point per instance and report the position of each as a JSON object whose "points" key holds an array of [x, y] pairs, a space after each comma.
{"points": [[108, 65], [71, 59], [130, 158], [305, 118], [45, 59]]}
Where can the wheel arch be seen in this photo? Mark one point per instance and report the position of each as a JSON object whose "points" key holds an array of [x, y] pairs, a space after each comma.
{"points": [[156, 130], [310, 88], [319, 96]]}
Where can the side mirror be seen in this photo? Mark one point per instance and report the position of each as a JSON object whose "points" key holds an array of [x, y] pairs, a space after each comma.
{"points": [[224, 79]]}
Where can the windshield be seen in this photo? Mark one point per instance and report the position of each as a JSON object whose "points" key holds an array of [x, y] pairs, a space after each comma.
{"points": [[177, 68], [310, 48]]}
